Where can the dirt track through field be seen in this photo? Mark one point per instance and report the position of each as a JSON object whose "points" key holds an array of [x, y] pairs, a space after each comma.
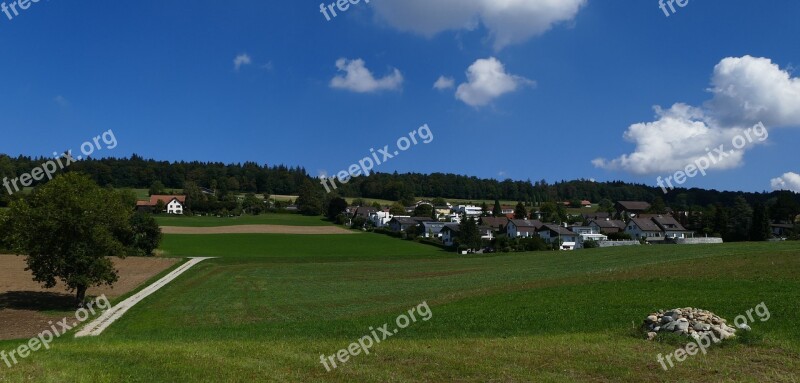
{"points": [[256, 229], [96, 327]]}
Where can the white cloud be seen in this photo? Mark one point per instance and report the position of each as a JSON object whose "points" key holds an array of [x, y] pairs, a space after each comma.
{"points": [[789, 181], [750, 89], [444, 83], [359, 79], [508, 21], [746, 91], [242, 60], [488, 80]]}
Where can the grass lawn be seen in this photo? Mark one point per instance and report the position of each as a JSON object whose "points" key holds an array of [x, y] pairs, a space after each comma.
{"points": [[272, 304], [263, 219]]}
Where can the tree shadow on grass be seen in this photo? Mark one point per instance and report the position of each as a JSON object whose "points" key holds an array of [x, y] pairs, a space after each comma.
{"points": [[36, 301]]}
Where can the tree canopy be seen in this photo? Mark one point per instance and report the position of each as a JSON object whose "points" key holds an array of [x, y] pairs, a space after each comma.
{"points": [[69, 228]]}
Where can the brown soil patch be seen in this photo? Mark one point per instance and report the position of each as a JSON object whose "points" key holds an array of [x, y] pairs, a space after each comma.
{"points": [[22, 300], [256, 229]]}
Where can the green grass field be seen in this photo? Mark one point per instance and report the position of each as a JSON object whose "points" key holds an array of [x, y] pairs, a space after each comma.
{"points": [[270, 305], [263, 219]]}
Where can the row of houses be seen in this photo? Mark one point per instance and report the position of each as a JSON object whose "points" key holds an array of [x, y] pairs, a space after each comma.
{"points": [[651, 228]]}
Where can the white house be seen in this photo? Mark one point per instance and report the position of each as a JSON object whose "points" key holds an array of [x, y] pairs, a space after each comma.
{"points": [[671, 228], [587, 233], [644, 228], [173, 204], [175, 207], [450, 233], [469, 210], [553, 233], [380, 218], [522, 228], [656, 228]]}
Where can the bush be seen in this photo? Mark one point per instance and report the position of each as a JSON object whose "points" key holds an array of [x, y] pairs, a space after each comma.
{"points": [[591, 244], [533, 244], [620, 236]]}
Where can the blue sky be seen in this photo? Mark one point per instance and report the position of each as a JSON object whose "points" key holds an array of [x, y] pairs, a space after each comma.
{"points": [[554, 88]]}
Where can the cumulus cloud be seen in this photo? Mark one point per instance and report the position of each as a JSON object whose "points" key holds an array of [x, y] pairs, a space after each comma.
{"points": [[242, 60], [444, 83], [358, 78], [487, 80], [508, 21], [789, 181], [746, 91], [750, 89]]}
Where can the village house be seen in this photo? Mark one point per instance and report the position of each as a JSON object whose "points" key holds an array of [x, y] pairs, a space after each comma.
{"points": [[432, 229], [450, 233], [551, 233], [644, 228], [401, 224], [671, 228], [632, 208], [469, 210], [173, 204], [380, 218], [587, 233], [522, 228], [781, 230], [656, 228], [607, 226], [497, 224]]}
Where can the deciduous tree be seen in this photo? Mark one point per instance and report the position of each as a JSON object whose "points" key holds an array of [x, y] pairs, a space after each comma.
{"points": [[69, 228]]}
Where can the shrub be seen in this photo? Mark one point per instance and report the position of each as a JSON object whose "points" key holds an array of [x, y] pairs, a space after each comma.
{"points": [[591, 244]]}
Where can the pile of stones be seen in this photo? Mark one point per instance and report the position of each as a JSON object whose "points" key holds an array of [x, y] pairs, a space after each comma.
{"points": [[690, 322]]}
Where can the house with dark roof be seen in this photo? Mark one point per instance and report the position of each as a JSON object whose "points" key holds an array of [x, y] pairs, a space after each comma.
{"points": [[671, 228], [523, 228], [450, 233], [551, 233], [432, 229], [496, 223], [781, 230], [632, 207], [607, 226], [364, 212], [400, 224], [644, 228]]}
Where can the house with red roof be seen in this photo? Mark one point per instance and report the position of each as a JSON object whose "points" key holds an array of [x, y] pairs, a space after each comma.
{"points": [[173, 204]]}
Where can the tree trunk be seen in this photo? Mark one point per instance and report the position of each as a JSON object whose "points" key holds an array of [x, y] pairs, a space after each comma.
{"points": [[81, 296]]}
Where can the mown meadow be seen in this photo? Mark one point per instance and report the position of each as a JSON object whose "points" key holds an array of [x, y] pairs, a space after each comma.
{"points": [[270, 305]]}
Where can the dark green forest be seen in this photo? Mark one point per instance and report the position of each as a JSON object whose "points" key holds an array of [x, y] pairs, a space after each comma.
{"points": [[250, 177]]}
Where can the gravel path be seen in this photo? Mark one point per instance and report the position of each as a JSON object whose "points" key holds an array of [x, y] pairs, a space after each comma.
{"points": [[97, 326]]}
